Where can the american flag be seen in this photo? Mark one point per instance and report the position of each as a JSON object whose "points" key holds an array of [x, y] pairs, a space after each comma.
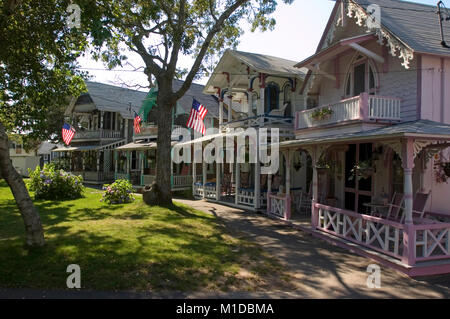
{"points": [[198, 113], [67, 133], [137, 121]]}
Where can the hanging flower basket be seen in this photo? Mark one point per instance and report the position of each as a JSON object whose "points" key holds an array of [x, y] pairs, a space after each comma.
{"points": [[362, 170], [322, 166]]}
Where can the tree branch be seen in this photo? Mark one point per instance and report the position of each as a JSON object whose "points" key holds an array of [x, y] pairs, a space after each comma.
{"points": [[198, 61]]}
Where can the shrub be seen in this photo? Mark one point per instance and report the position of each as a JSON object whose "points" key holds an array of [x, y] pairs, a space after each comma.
{"points": [[55, 184], [119, 192]]}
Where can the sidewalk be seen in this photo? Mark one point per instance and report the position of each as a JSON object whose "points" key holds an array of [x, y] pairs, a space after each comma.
{"points": [[322, 270]]}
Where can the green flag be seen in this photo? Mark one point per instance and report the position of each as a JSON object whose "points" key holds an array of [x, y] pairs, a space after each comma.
{"points": [[148, 103]]}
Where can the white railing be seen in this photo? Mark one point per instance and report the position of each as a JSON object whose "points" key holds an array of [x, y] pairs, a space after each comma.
{"points": [[198, 190], [180, 181], [376, 233], [363, 108], [247, 197], [210, 192], [432, 241], [97, 134], [279, 206]]}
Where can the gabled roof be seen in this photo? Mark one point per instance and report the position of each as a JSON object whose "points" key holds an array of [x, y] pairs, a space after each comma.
{"points": [[415, 24], [112, 98], [46, 148], [268, 64]]}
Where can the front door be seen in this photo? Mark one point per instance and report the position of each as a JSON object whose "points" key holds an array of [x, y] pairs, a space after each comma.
{"points": [[357, 191]]}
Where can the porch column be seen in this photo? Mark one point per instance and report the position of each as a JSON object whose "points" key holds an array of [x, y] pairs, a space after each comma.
{"points": [[315, 190], [288, 184], [194, 176], [220, 111], [141, 153], [218, 181], [128, 165], [262, 90], [269, 191], [204, 176], [238, 181], [230, 106], [250, 100], [257, 203], [408, 165], [102, 117], [115, 164], [409, 232], [98, 161]]}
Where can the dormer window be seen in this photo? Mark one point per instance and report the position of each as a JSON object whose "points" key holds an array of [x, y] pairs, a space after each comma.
{"points": [[361, 78]]}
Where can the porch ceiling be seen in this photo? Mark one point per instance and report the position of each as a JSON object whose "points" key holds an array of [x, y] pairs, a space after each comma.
{"points": [[334, 50], [423, 129]]}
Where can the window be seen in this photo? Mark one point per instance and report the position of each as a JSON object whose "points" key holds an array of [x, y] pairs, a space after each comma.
{"points": [[134, 160], [271, 97], [361, 78]]}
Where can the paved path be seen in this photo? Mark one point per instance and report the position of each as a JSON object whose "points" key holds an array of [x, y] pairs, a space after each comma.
{"points": [[322, 270]]}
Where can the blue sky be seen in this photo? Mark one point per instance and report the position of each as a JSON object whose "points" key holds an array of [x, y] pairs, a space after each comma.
{"points": [[296, 36]]}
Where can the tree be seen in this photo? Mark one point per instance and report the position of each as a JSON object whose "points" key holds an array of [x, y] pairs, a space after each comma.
{"points": [[160, 31], [37, 74]]}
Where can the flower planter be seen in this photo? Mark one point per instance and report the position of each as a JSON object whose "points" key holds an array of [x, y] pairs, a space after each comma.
{"points": [[322, 170]]}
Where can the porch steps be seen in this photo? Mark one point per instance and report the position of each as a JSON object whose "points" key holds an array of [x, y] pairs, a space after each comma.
{"points": [[428, 268]]}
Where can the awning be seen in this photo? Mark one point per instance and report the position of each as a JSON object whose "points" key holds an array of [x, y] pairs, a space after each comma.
{"points": [[77, 148], [139, 146], [421, 129]]}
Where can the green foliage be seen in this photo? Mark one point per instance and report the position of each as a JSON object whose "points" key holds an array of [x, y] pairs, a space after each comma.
{"points": [[119, 192], [38, 66], [61, 163], [362, 170], [322, 113], [53, 184]]}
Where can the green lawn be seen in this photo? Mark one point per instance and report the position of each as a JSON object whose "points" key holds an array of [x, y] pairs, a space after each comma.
{"points": [[129, 247]]}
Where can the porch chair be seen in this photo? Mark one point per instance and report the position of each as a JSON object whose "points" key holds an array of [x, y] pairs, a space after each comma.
{"points": [[419, 203], [281, 111], [304, 201], [396, 207]]}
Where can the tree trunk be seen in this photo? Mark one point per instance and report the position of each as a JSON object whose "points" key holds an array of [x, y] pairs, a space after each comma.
{"points": [[30, 215]]}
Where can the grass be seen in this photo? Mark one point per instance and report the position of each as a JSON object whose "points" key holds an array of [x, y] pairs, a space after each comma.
{"points": [[130, 247]]}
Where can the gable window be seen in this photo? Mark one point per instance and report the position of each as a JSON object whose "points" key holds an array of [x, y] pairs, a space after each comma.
{"points": [[361, 78], [271, 97]]}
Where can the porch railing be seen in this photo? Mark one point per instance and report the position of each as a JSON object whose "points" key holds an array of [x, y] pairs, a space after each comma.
{"points": [[147, 179], [376, 233], [432, 241], [180, 181], [363, 107], [247, 198], [259, 121], [279, 206], [95, 176], [97, 134]]}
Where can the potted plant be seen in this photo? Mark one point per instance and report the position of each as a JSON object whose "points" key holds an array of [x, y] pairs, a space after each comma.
{"points": [[322, 114], [362, 170], [322, 166]]}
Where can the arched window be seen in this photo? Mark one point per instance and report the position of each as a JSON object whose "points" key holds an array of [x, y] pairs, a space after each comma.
{"points": [[361, 77], [271, 98]]}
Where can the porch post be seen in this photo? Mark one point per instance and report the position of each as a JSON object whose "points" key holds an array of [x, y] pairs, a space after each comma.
{"points": [[194, 176], [269, 191], [204, 177], [363, 106], [315, 190], [250, 101], [230, 106], [257, 203], [238, 181], [128, 165], [288, 184], [218, 181], [262, 90], [115, 164], [220, 111], [409, 231], [141, 153]]}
